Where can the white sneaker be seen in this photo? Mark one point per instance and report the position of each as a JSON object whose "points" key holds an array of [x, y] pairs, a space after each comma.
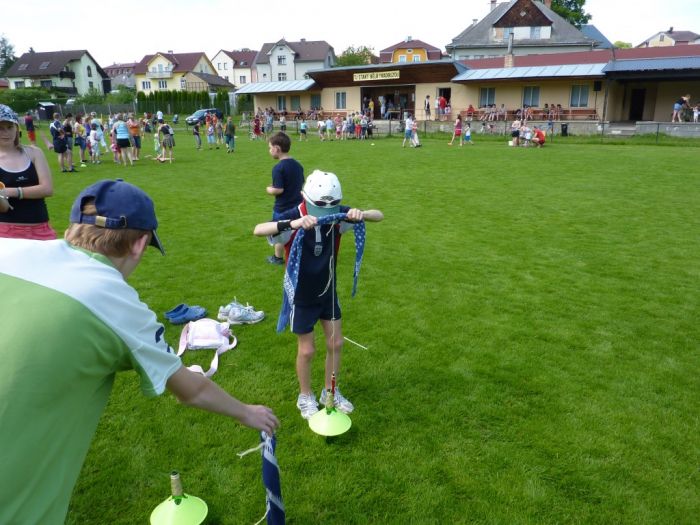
{"points": [[339, 401], [245, 315], [307, 405], [224, 310]]}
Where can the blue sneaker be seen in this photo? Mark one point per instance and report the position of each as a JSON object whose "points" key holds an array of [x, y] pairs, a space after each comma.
{"points": [[177, 311], [192, 313]]}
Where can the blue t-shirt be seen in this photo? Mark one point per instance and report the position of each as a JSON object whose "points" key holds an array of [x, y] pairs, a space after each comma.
{"points": [[288, 175]]}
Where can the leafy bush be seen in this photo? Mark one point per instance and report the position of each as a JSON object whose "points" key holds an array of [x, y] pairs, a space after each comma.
{"points": [[25, 99]]}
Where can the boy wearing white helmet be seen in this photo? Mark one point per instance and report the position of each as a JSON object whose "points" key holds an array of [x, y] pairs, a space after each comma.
{"points": [[314, 296]]}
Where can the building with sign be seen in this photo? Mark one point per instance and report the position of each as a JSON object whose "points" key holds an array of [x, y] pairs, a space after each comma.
{"points": [[611, 85], [349, 89]]}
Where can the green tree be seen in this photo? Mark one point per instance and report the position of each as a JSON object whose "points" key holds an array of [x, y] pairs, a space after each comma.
{"points": [[355, 56], [123, 95], [7, 55], [571, 10], [93, 96], [622, 45]]}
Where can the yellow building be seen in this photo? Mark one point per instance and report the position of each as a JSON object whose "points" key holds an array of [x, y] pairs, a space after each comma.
{"points": [[177, 72], [409, 50]]}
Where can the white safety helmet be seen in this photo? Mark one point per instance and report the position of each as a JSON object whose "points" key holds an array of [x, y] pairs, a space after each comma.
{"points": [[322, 193]]}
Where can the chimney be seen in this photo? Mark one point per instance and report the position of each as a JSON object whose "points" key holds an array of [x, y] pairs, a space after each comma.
{"points": [[508, 57], [409, 38], [493, 4], [170, 51], [548, 3], [303, 39]]}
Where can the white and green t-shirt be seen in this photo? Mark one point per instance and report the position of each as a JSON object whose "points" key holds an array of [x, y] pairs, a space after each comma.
{"points": [[68, 323]]}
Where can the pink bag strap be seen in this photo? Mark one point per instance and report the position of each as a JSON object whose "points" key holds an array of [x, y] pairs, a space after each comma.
{"points": [[214, 366]]}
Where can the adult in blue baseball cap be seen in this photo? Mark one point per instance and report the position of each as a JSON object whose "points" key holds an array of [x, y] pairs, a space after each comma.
{"points": [[55, 381]]}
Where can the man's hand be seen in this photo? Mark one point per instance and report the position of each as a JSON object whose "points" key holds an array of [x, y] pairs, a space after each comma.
{"points": [[260, 417]]}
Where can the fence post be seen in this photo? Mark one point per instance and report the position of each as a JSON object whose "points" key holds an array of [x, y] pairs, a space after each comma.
{"points": [[658, 127]]}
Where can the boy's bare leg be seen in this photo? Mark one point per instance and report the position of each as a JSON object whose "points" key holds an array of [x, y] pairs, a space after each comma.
{"points": [[334, 344], [305, 355]]}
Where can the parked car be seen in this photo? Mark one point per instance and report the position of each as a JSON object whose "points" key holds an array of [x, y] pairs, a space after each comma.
{"points": [[200, 115]]}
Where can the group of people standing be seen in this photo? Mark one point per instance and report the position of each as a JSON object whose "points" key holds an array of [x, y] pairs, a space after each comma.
{"points": [[87, 134], [217, 132]]}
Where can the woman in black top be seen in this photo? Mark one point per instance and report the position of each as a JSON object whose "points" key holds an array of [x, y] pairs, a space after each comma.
{"points": [[26, 178]]}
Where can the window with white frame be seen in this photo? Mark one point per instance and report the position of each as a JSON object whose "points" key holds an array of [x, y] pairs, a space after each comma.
{"points": [[487, 96], [316, 100], [402, 58], [295, 102], [44, 65], [89, 71], [19, 84], [281, 77], [531, 96], [162, 84], [282, 60], [341, 100], [281, 103], [218, 66], [242, 79], [416, 58], [225, 65], [579, 96], [145, 85]]}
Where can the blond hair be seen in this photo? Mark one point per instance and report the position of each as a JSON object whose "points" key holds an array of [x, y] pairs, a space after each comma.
{"points": [[109, 242]]}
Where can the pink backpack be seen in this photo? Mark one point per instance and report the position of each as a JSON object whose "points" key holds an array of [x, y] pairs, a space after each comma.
{"points": [[205, 334]]}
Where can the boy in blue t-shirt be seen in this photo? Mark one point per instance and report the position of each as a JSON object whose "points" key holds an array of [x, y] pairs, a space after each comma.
{"points": [[287, 181], [315, 297]]}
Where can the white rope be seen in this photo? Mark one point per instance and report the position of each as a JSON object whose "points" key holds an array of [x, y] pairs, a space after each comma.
{"points": [[263, 518], [355, 343], [250, 450]]}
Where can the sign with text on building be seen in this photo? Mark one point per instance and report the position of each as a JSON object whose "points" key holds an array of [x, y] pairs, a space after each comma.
{"points": [[377, 75]]}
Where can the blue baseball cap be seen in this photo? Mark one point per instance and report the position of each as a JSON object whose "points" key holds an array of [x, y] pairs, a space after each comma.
{"points": [[120, 205]]}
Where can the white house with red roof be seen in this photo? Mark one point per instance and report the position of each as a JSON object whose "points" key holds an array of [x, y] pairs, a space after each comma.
{"points": [[235, 66], [284, 61]]}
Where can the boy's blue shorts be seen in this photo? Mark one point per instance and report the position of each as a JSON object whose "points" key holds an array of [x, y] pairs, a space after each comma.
{"points": [[305, 316]]}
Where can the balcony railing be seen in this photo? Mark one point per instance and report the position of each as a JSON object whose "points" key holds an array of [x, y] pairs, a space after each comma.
{"points": [[66, 74], [159, 74]]}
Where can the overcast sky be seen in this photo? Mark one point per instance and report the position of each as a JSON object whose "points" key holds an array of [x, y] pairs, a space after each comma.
{"points": [[126, 30]]}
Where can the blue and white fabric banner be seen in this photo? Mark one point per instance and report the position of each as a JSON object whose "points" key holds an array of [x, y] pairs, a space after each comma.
{"points": [[291, 274], [271, 480]]}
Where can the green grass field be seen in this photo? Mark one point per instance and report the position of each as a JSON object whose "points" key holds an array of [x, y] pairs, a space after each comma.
{"points": [[532, 324]]}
